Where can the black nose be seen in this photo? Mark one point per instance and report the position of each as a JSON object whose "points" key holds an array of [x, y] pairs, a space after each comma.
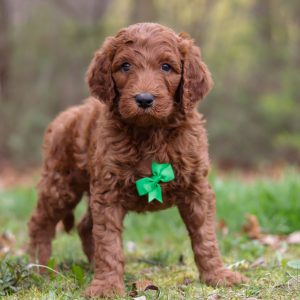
{"points": [[144, 100]]}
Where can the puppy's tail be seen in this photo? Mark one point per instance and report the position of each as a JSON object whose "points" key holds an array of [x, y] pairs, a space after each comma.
{"points": [[68, 221]]}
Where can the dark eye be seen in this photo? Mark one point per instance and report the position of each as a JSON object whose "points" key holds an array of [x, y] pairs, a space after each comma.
{"points": [[125, 67], [166, 67]]}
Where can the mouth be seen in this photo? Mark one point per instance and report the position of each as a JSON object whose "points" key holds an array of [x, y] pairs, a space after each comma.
{"points": [[144, 114], [143, 118], [145, 111]]}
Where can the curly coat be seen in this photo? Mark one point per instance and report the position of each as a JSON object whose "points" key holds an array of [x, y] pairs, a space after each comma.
{"points": [[103, 147]]}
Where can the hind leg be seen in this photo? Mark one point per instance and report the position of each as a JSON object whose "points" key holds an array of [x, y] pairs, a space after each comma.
{"points": [[57, 197], [85, 232]]}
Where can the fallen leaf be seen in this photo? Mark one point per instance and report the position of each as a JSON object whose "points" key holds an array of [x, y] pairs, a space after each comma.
{"points": [[142, 286], [260, 262], [214, 296], [7, 242], [131, 246], [251, 228], [20, 252], [293, 238], [222, 227], [187, 281], [270, 240], [140, 298], [4, 250], [241, 264]]}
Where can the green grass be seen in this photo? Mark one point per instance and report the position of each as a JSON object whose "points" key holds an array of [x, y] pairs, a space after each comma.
{"points": [[276, 203], [160, 239]]}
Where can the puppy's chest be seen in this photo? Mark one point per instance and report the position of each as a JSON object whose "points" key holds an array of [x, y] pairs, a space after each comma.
{"points": [[123, 167], [142, 167]]}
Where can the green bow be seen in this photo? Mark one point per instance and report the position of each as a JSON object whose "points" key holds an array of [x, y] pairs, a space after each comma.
{"points": [[150, 186]]}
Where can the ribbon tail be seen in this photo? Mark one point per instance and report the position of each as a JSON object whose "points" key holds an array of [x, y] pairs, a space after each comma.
{"points": [[144, 185], [155, 194]]}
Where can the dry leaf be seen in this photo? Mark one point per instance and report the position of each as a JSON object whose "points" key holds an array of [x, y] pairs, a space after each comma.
{"points": [[214, 296], [241, 264], [7, 241], [187, 281], [270, 240], [142, 286], [131, 246], [293, 238], [251, 227], [222, 227], [253, 231], [140, 298], [260, 262]]}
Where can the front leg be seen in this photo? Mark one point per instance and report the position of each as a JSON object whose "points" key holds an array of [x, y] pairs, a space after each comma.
{"points": [[198, 213], [108, 217]]}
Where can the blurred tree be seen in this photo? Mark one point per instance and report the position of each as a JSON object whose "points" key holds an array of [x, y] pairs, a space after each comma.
{"points": [[251, 47], [89, 11], [5, 57], [199, 25], [143, 11], [263, 20], [277, 83], [4, 51]]}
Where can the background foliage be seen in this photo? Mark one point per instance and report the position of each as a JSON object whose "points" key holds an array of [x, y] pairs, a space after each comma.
{"points": [[251, 47]]}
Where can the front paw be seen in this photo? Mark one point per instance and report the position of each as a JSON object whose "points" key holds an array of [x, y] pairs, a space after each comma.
{"points": [[223, 277], [40, 252], [105, 288]]}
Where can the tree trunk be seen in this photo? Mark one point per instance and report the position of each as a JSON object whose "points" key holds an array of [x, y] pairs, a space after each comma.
{"points": [[4, 51], [199, 28], [262, 12], [143, 11], [90, 11]]}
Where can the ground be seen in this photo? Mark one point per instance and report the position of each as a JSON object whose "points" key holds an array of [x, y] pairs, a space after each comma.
{"points": [[157, 248]]}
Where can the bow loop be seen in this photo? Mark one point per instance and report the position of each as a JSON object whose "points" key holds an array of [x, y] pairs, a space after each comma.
{"points": [[163, 171], [150, 186]]}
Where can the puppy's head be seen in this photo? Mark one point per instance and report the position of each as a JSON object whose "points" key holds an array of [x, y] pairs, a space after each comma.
{"points": [[148, 72]]}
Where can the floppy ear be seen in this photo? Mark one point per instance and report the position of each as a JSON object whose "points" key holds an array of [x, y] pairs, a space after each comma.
{"points": [[99, 76], [196, 78]]}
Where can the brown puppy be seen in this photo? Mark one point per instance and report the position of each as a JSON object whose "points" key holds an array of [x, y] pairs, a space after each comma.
{"points": [[148, 80]]}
